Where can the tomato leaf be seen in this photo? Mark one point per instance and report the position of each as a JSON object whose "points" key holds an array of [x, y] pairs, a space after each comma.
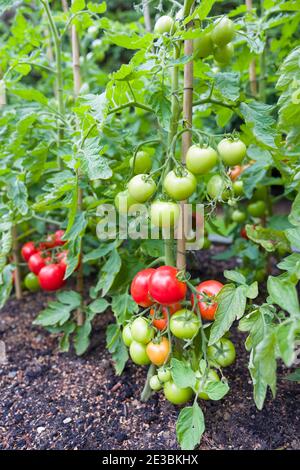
{"points": [[285, 334], [190, 427], [116, 347], [109, 272], [216, 390], [284, 293], [259, 119], [82, 337], [182, 374], [123, 307]]}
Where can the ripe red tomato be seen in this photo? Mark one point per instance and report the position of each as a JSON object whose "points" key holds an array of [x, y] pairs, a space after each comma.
{"points": [[244, 233], [158, 352], [62, 258], [51, 277], [37, 261], [28, 249], [58, 235], [140, 287], [160, 318], [208, 308], [164, 286]]}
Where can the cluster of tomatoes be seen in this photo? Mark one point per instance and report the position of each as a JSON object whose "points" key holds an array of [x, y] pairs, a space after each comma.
{"points": [[46, 262], [162, 292]]}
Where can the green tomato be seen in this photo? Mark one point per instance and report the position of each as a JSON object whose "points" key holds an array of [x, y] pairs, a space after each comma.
{"points": [[177, 395], [141, 331], [203, 46], [164, 374], [211, 377], [155, 383], [123, 202], [222, 352], [260, 193], [143, 162], [231, 151], [138, 353], [238, 188], [257, 209], [141, 187], [126, 335], [184, 324], [31, 282], [164, 214], [200, 160], [164, 24], [223, 55], [223, 32], [180, 187], [215, 187], [238, 216]]}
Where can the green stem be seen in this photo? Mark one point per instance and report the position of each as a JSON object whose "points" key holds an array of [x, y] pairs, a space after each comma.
{"points": [[146, 393], [130, 104]]}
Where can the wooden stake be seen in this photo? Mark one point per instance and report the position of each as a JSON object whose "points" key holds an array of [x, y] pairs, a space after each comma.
{"points": [[147, 17], [16, 261], [252, 66]]}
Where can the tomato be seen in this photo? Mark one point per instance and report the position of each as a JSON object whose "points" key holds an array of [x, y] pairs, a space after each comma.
{"points": [[232, 151], [124, 201], [177, 395], [126, 335], [215, 187], [201, 160], [184, 324], [28, 249], [141, 330], [141, 187], [140, 286], [222, 352], [164, 24], [223, 32], [160, 318], [51, 277], [208, 307], [155, 383], [235, 172], [62, 258], [257, 209], [158, 352], [143, 162], [243, 233], [223, 55], [203, 46], [164, 286], [238, 216], [203, 381], [31, 282], [238, 188], [37, 262], [164, 374], [164, 214], [58, 235], [138, 353], [260, 193], [180, 187]]}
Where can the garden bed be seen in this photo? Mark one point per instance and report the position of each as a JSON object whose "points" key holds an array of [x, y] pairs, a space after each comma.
{"points": [[51, 400]]}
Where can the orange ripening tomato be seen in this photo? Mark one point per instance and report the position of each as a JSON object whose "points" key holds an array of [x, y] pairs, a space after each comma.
{"points": [[160, 319], [158, 352], [208, 308]]}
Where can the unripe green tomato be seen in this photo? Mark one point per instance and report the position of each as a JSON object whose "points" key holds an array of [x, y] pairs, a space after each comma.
{"points": [[223, 55], [123, 202], [164, 214], [141, 331], [260, 193], [257, 209], [212, 377], [200, 160], [231, 151], [177, 395], [180, 187], [238, 188], [222, 352], [164, 374], [155, 384], [31, 282], [215, 187], [143, 162], [138, 353], [141, 187], [164, 24], [126, 335], [203, 46], [238, 216], [223, 32]]}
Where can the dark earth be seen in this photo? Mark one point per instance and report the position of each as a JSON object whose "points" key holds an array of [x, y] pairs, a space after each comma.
{"points": [[53, 400]]}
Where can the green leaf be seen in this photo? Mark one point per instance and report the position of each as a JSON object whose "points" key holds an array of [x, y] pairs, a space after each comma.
{"points": [[235, 276], [231, 305], [30, 94], [258, 117], [123, 307], [294, 216], [286, 341], [132, 41], [228, 84], [98, 306], [270, 239], [252, 290], [77, 5], [293, 236], [58, 313], [94, 163], [182, 374], [190, 426], [17, 192], [291, 263], [216, 390], [6, 4], [82, 337], [254, 323], [100, 252], [109, 272], [101, 8], [203, 10], [294, 376], [6, 284], [116, 347], [284, 293], [161, 105]]}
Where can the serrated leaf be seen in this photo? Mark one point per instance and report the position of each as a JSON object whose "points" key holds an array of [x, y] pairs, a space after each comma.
{"points": [[109, 272], [284, 293], [123, 307], [116, 347], [82, 337], [228, 84], [235, 276], [190, 426], [94, 163], [182, 374], [258, 117], [216, 390]]}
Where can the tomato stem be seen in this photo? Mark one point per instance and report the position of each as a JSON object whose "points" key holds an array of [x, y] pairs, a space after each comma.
{"points": [[147, 391]]}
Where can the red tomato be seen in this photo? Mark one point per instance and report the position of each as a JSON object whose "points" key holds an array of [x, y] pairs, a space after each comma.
{"points": [[37, 262], [161, 318], [164, 286], [28, 249], [58, 238], [51, 277], [208, 308], [139, 287], [244, 233], [62, 258]]}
